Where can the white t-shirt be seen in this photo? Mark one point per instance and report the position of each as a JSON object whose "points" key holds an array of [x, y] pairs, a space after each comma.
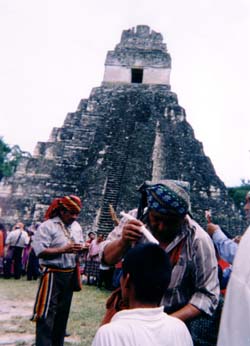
{"points": [[235, 320], [143, 327]]}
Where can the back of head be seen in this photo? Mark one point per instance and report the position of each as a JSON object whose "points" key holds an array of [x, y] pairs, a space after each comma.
{"points": [[150, 271]]}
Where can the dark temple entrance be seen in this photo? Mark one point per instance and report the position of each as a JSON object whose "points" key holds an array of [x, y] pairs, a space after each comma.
{"points": [[136, 75]]}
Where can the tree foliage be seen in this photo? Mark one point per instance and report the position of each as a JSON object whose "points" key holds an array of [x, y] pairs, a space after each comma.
{"points": [[238, 193], [9, 158]]}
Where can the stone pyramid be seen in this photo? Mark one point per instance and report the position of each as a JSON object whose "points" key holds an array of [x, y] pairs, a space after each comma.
{"points": [[130, 129]]}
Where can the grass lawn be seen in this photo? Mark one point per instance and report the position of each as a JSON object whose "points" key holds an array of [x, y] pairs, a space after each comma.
{"points": [[17, 298]]}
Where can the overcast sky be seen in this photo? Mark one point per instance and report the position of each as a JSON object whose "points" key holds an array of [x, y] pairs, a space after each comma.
{"points": [[53, 54]]}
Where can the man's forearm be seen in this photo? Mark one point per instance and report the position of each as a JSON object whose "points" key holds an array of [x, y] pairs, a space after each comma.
{"points": [[51, 252], [55, 251], [187, 313], [114, 251]]}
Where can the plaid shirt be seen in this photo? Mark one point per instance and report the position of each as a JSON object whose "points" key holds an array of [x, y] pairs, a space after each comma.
{"points": [[194, 277]]}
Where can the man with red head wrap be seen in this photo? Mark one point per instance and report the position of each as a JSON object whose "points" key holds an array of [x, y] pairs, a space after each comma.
{"points": [[57, 242]]}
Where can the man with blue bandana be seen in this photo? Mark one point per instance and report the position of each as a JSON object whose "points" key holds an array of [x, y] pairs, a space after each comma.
{"points": [[164, 210]]}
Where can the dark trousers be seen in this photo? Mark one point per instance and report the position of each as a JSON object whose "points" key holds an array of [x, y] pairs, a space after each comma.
{"points": [[33, 266], [17, 260], [105, 277], [51, 331]]}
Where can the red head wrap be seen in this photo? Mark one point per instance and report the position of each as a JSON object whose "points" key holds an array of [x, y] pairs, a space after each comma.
{"points": [[71, 203]]}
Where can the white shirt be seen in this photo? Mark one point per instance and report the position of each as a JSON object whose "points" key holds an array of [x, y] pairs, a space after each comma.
{"points": [[235, 320], [12, 238], [143, 327], [50, 234]]}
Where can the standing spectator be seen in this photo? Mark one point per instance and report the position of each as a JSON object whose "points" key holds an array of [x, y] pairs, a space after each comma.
{"points": [[146, 274], [2, 242], [92, 268], [33, 262], [56, 242], [91, 237], [225, 246], [16, 241]]}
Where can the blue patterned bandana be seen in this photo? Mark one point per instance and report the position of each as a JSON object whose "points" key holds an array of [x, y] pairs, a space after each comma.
{"points": [[168, 196]]}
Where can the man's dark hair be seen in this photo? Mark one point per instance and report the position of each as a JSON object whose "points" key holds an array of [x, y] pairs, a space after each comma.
{"points": [[150, 272]]}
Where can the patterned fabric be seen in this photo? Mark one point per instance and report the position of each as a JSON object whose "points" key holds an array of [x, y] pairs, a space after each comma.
{"points": [[168, 196], [92, 268], [71, 203]]}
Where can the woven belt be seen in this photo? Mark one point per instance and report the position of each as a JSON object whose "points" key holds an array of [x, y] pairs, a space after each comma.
{"points": [[59, 270]]}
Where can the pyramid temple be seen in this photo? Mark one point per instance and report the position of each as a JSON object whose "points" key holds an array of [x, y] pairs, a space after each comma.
{"points": [[130, 129]]}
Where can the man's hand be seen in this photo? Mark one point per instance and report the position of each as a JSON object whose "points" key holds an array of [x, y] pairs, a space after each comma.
{"points": [[115, 250], [132, 231], [55, 251], [211, 227], [72, 248]]}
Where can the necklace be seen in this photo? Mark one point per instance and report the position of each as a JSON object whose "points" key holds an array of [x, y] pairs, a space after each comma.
{"points": [[67, 233]]}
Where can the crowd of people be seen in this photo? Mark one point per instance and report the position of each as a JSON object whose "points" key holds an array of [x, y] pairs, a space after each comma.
{"points": [[167, 275], [17, 258]]}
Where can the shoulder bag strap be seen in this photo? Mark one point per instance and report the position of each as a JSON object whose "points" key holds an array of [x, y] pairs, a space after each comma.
{"points": [[18, 238]]}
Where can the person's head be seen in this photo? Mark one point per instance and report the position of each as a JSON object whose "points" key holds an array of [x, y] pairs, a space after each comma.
{"points": [[100, 237], [247, 207], [67, 208], [168, 203], [146, 274], [91, 235], [19, 225], [2, 227]]}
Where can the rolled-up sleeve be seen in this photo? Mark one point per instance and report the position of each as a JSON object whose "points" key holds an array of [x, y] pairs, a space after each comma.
{"points": [[226, 247], [115, 234], [206, 295], [41, 239]]}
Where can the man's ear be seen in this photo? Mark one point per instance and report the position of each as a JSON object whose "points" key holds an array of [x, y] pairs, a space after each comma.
{"points": [[127, 281]]}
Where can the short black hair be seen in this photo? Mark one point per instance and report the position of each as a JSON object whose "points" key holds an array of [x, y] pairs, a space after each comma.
{"points": [[150, 271]]}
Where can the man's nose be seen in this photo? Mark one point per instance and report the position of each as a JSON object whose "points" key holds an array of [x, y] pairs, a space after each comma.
{"points": [[161, 226]]}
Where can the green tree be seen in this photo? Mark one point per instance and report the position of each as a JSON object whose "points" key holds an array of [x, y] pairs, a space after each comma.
{"points": [[9, 158], [238, 193]]}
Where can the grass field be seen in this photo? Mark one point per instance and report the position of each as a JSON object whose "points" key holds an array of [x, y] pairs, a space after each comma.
{"points": [[17, 298]]}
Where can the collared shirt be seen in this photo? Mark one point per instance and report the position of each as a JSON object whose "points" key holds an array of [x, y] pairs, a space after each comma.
{"points": [[50, 234], [13, 236], [194, 277], [143, 326], [226, 247], [234, 325]]}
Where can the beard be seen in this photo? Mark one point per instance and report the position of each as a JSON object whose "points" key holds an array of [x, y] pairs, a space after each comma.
{"points": [[167, 234]]}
